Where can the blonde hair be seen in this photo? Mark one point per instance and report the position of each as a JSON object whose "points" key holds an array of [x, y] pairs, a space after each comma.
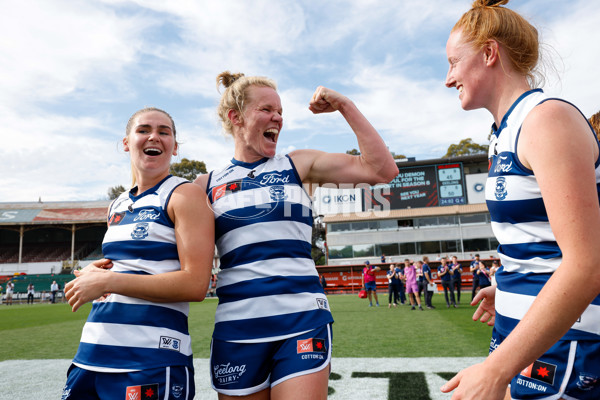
{"points": [[236, 94], [129, 127], [488, 20]]}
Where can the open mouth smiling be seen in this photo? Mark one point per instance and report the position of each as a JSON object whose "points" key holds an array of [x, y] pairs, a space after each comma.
{"points": [[271, 134], [152, 151]]}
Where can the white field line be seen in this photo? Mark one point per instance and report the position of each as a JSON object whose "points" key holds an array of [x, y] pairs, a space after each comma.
{"points": [[44, 379]]}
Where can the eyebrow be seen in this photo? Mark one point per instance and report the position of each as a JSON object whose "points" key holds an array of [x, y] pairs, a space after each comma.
{"points": [[150, 126]]}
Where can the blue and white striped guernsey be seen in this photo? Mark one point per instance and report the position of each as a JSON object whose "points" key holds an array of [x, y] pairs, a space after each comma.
{"points": [[528, 248], [268, 286], [124, 333]]}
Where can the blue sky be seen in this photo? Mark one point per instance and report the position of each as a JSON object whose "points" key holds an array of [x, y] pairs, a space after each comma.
{"points": [[73, 71]]}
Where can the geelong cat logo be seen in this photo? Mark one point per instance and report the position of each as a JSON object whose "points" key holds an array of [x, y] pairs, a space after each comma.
{"points": [[500, 191]]}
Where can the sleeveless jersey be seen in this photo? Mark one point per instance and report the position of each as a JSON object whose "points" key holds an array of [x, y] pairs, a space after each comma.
{"points": [[268, 286], [528, 248], [124, 333]]}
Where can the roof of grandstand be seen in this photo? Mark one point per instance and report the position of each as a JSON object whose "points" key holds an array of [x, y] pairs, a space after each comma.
{"points": [[45, 213]]}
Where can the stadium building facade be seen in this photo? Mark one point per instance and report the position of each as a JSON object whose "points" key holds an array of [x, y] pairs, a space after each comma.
{"points": [[433, 207]]}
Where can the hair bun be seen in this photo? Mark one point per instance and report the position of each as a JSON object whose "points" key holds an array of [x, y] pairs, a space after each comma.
{"points": [[226, 78], [489, 3]]}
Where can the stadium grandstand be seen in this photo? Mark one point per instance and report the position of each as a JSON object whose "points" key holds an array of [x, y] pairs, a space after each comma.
{"points": [[41, 242]]}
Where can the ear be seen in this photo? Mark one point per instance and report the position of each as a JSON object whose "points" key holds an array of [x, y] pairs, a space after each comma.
{"points": [[175, 149], [125, 144], [234, 117], [491, 52]]}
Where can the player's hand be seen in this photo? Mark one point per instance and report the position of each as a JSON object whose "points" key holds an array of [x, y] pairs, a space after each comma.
{"points": [[88, 285], [103, 263], [486, 312], [326, 100], [477, 382]]}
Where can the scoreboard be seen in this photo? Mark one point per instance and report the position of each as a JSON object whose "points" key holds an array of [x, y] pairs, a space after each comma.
{"points": [[422, 186]]}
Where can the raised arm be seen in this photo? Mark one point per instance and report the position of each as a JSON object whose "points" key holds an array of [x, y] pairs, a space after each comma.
{"points": [[374, 165], [194, 231]]}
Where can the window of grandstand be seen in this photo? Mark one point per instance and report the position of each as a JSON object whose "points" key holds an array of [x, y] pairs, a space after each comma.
{"points": [[447, 220], [386, 224], [408, 248], [389, 249], [340, 252], [339, 227], [426, 222], [360, 226], [429, 247], [450, 246], [363, 250], [413, 248], [405, 223], [474, 219]]}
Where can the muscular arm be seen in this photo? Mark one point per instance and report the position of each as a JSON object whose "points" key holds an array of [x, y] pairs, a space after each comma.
{"points": [[194, 232], [374, 165]]}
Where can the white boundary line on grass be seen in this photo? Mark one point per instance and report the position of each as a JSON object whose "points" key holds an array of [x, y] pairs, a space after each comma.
{"points": [[44, 379]]}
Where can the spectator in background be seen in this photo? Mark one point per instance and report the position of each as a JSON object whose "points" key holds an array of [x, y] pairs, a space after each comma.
{"points": [[10, 287], [410, 274], [393, 286], [324, 283], [402, 288], [484, 276], [445, 274], [369, 282], [428, 282], [421, 282], [494, 268], [54, 291], [456, 277], [30, 293], [474, 267], [383, 258]]}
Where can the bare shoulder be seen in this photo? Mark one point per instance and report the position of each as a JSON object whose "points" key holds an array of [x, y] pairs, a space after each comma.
{"points": [[187, 193], [202, 181], [556, 127], [304, 159]]}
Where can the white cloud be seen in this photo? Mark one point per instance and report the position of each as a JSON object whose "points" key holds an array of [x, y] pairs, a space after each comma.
{"points": [[74, 71]]}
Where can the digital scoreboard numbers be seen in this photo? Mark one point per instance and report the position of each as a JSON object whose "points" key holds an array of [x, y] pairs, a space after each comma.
{"points": [[419, 187], [451, 185]]}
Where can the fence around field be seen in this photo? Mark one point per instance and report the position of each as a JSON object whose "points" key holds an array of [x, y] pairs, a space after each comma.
{"points": [[348, 278], [41, 283]]}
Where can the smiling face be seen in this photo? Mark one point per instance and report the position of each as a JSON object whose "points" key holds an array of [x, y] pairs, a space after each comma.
{"points": [[151, 143], [467, 72], [256, 133]]}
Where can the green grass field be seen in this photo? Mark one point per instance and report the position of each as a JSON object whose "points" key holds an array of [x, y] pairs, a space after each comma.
{"points": [[52, 331]]}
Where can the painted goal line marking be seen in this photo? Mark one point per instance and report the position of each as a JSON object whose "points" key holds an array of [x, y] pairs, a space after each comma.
{"points": [[44, 379]]}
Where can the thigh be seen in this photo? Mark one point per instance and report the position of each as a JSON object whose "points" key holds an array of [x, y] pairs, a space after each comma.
{"points": [[306, 387], [302, 365]]}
